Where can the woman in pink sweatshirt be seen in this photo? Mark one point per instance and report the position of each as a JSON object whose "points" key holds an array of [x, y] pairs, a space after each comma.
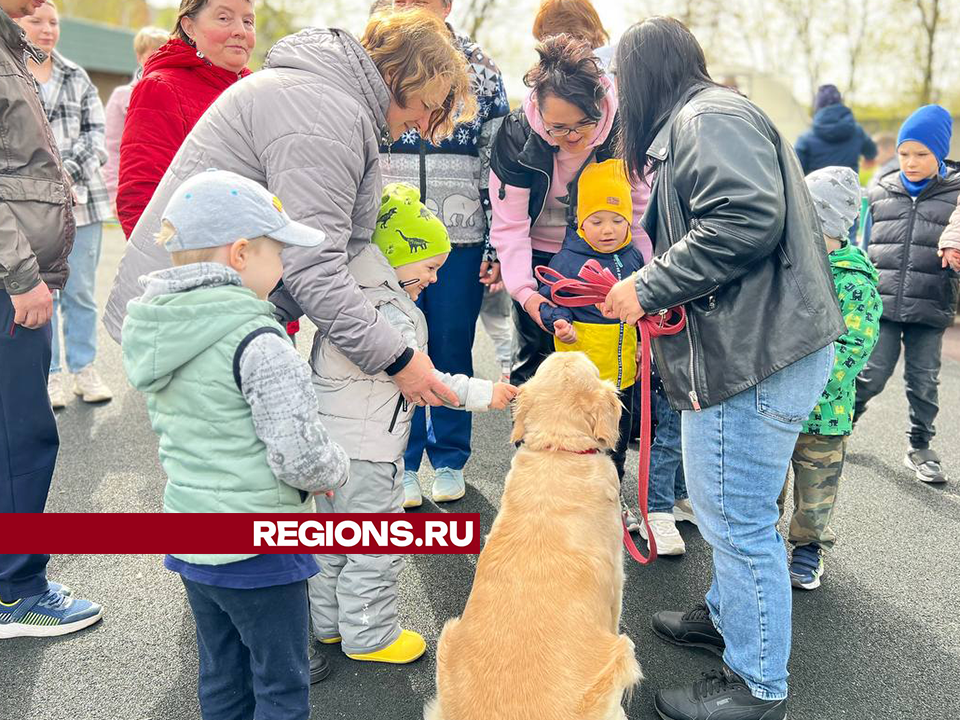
{"points": [[567, 121]]}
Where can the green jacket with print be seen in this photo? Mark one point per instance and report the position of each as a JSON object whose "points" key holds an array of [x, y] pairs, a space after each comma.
{"points": [[856, 281]]}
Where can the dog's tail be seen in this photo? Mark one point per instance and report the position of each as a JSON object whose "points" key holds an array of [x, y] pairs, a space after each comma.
{"points": [[621, 673]]}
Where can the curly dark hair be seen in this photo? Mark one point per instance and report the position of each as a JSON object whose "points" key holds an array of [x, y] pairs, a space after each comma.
{"points": [[568, 70]]}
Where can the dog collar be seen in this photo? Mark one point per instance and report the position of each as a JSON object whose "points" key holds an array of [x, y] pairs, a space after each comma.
{"points": [[591, 451]]}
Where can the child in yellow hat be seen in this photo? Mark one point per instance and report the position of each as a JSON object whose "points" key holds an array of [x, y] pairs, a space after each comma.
{"points": [[604, 213]]}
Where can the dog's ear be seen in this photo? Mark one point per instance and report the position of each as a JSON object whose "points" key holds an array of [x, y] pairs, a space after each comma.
{"points": [[520, 408], [606, 416]]}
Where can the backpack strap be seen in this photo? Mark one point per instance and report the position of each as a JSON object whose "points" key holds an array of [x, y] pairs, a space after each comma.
{"points": [[243, 346]]}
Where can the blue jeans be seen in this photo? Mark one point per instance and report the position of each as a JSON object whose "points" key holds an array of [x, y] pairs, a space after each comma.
{"points": [[28, 442], [736, 456], [77, 303], [667, 484], [452, 306], [253, 651]]}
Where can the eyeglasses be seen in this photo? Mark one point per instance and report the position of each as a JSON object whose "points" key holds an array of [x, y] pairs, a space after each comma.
{"points": [[581, 129]]}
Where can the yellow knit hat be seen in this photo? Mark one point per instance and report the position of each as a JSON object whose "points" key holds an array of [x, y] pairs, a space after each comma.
{"points": [[604, 186]]}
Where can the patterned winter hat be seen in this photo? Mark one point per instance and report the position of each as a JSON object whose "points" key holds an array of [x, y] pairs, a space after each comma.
{"points": [[836, 195], [406, 231]]}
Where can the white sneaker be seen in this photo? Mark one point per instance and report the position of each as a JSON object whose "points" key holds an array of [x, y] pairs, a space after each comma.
{"points": [[665, 532], [683, 511], [89, 386], [55, 391], [412, 497]]}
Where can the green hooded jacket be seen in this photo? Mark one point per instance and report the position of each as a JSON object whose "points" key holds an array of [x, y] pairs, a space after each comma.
{"points": [[179, 341], [856, 281]]}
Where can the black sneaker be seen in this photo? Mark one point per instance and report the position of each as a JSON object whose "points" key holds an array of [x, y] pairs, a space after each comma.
{"points": [[319, 667], [717, 695], [693, 628]]}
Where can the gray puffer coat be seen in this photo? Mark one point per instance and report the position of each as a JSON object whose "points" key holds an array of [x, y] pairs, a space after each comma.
{"points": [[308, 127], [914, 286]]}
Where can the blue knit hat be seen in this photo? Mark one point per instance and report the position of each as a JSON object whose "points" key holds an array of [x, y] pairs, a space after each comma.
{"points": [[827, 95], [930, 125]]}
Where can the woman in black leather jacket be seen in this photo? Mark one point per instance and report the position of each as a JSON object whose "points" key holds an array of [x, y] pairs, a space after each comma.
{"points": [[737, 242]]}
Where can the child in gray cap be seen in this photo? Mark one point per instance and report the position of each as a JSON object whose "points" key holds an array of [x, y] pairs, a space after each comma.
{"points": [[819, 454]]}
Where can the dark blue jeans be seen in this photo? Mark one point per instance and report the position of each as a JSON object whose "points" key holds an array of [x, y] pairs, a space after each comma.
{"points": [[452, 306], [253, 651], [667, 483], [28, 442]]}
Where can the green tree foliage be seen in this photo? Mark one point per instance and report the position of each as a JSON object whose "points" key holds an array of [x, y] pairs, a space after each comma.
{"points": [[126, 13]]}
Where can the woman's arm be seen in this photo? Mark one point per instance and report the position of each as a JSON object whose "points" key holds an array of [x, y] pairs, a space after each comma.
{"points": [[510, 236], [87, 154]]}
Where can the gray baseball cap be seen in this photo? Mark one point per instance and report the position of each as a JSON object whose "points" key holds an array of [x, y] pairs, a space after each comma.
{"points": [[218, 207]]}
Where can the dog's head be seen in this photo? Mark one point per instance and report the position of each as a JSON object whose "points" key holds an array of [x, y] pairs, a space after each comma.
{"points": [[567, 405]]}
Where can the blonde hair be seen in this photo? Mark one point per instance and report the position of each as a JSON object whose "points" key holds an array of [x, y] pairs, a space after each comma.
{"points": [[149, 39], [188, 257], [573, 17], [413, 50]]}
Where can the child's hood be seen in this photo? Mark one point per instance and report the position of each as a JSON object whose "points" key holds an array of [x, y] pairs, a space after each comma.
{"points": [[850, 258], [183, 311]]}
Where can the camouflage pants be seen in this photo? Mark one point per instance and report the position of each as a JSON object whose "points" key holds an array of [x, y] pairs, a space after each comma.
{"points": [[817, 464]]}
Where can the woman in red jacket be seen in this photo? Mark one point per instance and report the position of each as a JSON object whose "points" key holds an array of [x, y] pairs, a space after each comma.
{"points": [[208, 52]]}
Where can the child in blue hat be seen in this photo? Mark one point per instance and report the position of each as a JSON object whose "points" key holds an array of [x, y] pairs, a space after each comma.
{"points": [[909, 210]]}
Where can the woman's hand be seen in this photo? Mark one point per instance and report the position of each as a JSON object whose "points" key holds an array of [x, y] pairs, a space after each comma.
{"points": [[532, 306], [420, 386], [489, 272], [622, 303], [951, 259]]}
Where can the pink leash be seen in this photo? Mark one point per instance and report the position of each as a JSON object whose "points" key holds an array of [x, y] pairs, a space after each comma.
{"points": [[591, 288]]}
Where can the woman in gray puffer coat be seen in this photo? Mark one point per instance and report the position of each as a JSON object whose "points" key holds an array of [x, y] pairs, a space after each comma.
{"points": [[309, 127]]}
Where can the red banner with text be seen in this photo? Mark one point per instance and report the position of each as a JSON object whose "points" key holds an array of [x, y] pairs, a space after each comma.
{"points": [[227, 533]]}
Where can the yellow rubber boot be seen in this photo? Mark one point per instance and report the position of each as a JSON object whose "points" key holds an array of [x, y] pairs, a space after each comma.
{"points": [[405, 649]]}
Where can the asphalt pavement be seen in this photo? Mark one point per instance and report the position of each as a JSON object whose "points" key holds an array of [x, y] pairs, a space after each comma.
{"points": [[880, 639]]}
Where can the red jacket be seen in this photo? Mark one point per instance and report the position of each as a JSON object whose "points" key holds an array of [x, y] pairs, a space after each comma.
{"points": [[176, 89]]}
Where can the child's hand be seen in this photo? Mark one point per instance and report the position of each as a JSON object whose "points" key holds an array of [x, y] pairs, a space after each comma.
{"points": [[951, 258], [503, 393], [328, 493], [565, 332]]}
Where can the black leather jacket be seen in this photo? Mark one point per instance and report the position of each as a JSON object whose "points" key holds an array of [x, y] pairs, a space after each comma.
{"points": [[738, 242]]}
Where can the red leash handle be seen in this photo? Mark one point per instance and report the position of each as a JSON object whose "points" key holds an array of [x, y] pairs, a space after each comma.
{"points": [[592, 288]]}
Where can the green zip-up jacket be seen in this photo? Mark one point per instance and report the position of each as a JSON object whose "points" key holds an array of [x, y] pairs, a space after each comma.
{"points": [[856, 281]]}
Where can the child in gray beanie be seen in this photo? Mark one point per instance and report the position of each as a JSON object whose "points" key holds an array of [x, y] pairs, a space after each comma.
{"points": [[821, 447]]}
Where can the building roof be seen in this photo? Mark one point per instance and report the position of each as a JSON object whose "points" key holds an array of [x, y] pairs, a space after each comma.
{"points": [[96, 47]]}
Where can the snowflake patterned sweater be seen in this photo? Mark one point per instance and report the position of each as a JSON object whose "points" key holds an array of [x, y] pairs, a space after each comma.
{"points": [[855, 279]]}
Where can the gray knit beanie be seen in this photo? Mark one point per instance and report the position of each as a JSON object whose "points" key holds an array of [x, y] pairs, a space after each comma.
{"points": [[836, 195]]}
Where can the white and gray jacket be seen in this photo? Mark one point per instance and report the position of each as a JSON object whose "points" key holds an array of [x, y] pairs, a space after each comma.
{"points": [[366, 414]]}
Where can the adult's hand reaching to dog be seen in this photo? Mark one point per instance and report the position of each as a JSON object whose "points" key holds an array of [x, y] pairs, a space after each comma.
{"points": [[532, 306], [622, 303], [34, 308], [420, 386]]}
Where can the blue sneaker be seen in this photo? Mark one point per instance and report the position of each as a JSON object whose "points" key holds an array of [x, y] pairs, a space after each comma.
{"points": [[448, 485], [46, 615], [806, 566], [57, 587], [412, 498]]}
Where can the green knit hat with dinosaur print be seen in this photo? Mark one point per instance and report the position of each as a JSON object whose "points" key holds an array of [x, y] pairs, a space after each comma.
{"points": [[406, 230]]}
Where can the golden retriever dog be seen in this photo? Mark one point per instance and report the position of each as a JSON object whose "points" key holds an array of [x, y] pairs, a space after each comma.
{"points": [[539, 638]]}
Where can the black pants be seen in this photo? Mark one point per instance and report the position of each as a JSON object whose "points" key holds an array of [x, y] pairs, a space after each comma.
{"points": [[28, 442], [922, 347], [626, 423], [533, 342], [253, 647]]}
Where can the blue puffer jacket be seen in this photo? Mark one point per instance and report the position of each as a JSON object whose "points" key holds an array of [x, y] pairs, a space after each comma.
{"points": [[611, 345], [835, 139]]}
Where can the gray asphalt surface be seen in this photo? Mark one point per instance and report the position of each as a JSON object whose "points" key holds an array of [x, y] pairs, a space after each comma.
{"points": [[880, 639]]}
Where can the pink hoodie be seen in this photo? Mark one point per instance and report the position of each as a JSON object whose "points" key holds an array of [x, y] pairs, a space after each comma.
{"points": [[511, 233]]}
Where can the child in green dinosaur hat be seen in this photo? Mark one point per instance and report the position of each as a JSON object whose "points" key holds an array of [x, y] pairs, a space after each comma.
{"points": [[353, 600], [413, 239]]}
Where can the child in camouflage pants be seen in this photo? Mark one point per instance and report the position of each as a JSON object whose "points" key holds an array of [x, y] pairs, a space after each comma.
{"points": [[819, 453]]}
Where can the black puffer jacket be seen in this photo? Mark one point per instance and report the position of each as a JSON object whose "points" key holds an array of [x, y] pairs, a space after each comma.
{"points": [[523, 159], [915, 288], [737, 241]]}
